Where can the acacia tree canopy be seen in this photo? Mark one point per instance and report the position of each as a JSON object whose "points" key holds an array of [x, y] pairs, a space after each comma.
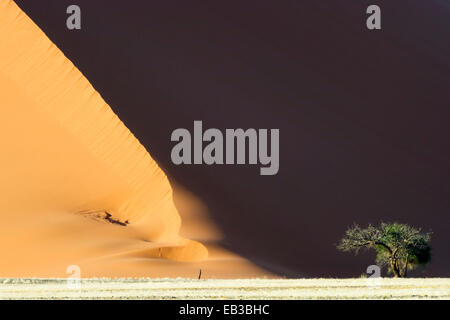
{"points": [[400, 247]]}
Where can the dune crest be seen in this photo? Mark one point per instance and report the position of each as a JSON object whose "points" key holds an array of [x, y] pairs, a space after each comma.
{"points": [[64, 151]]}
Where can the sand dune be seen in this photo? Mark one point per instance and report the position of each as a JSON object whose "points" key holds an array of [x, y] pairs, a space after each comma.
{"points": [[361, 115], [77, 187]]}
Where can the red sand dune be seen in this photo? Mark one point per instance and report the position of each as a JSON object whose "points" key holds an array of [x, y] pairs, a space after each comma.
{"points": [[77, 187]]}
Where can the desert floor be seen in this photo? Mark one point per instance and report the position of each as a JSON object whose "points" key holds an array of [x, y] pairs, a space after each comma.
{"points": [[144, 288]]}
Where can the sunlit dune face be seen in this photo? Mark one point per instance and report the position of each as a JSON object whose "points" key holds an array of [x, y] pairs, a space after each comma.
{"points": [[78, 188], [64, 152]]}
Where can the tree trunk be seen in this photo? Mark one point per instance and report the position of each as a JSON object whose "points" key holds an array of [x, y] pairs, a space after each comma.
{"points": [[405, 272], [394, 268]]}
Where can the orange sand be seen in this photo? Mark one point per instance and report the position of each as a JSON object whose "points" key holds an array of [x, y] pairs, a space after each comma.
{"points": [[67, 160]]}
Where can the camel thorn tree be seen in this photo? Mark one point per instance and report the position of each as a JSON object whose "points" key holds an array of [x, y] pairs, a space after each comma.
{"points": [[400, 247]]}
